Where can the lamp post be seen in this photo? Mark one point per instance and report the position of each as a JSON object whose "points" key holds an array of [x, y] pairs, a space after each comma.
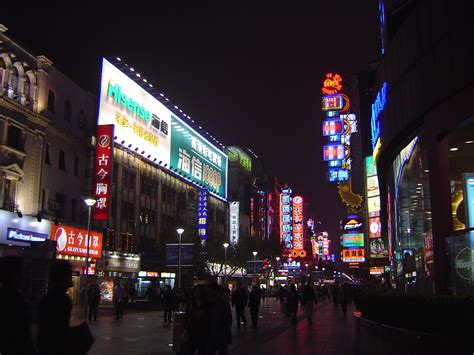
{"points": [[254, 265], [226, 245], [90, 202], [180, 231]]}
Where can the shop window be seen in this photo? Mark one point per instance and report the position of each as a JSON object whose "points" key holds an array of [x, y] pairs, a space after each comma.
{"points": [[62, 160], [47, 154], [67, 111], [51, 101], [16, 138]]}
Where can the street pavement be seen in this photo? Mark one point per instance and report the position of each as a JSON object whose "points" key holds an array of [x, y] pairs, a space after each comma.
{"points": [[143, 332]]}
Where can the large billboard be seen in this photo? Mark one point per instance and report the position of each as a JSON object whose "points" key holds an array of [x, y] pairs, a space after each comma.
{"points": [[198, 159], [104, 150], [73, 241], [144, 124]]}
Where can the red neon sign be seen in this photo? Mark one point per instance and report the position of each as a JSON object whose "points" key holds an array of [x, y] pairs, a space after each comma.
{"points": [[332, 84], [73, 241], [103, 169], [298, 227]]}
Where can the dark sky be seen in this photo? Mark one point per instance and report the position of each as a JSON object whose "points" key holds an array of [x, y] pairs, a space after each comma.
{"points": [[251, 76]]}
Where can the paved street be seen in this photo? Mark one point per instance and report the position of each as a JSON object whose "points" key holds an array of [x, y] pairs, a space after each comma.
{"points": [[145, 333]]}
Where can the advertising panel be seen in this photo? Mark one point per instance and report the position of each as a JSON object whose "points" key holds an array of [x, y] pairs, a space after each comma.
{"points": [[353, 255], [333, 152], [16, 231], [203, 210], [372, 186], [103, 170], [234, 211], [172, 255], [140, 120], [332, 127], [298, 234], [73, 241], [25, 236], [237, 155], [468, 182], [378, 249], [353, 240], [286, 235], [197, 159], [373, 204], [374, 227], [332, 102]]}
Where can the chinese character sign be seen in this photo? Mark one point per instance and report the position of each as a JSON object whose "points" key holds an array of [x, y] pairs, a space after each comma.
{"points": [[298, 227], [286, 235], [197, 159], [234, 222], [203, 214], [73, 241], [353, 255], [103, 169]]}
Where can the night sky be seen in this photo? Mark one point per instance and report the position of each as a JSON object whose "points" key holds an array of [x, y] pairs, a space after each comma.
{"points": [[251, 76]]}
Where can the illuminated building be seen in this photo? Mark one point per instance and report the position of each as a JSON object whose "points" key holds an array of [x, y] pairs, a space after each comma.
{"points": [[421, 140]]}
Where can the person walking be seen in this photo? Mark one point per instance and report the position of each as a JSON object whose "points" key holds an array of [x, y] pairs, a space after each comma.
{"points": [[335, 295], [263, 293], [169, 303], [54, 312], [239, 301], [343, 298], [309, 299], [254, 305], [220, 321], [196, 332], [293, 299], [93, 299], [119, 297]]}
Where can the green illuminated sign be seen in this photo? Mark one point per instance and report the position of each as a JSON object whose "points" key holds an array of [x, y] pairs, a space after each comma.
{"points": [[238, 155], [115, 91], [353, 240], [197, 159]]}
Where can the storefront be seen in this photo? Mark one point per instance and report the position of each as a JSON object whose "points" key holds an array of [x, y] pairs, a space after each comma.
{"points": [[117, 266], [153, 279], [71, 245]]}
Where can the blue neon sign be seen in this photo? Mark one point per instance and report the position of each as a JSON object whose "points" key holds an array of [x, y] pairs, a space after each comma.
{"points": [[377, 108], [335, 175]]}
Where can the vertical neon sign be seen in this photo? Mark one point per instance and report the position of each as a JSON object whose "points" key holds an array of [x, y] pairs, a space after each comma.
{"points": [[286, 238], [298, 250], [103, 169], [203, 210]]}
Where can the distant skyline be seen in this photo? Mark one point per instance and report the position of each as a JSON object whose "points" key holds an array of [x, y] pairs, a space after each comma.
{"points": [[250, 76]]}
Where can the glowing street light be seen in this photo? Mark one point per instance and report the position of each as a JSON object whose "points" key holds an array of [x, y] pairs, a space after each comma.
{"points": [[226, 245], [180, 232], [90, 202]]}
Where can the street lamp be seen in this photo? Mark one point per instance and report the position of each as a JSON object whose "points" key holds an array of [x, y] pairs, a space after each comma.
{"points": [[254, 265], [306, 268], [180, 231], [226, 245], [90, 202]]}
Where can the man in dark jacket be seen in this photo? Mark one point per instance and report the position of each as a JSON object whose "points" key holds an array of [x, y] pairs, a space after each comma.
{"points": [[254, 305], [93, 299], [220, 321], [168, 303], [239, 301]]}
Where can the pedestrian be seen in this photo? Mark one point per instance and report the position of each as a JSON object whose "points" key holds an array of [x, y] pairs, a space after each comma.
{"points": [[239, 301], [168, 303], [293, 300], [343, 298], [220, 321], [263, 292], [132, 293], [335, 295], [196, 332], [309, 299], [119, 297], [15, 310], [55, 311], [281, 297], [254, 305], [93, 299]]}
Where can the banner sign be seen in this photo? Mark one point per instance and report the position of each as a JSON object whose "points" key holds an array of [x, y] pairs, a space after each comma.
{"points": [[353, 255], [353, 240], [286, 235], [203, 213], [25, 236], [234, 215], [73, 241], [172, 254], [103, 169], [298, 233]]}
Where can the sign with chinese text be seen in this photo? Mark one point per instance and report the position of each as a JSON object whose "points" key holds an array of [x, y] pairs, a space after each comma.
{"points": [[197, 159], [237, 155], [103, 170], [234, 215], [334, 175], [333, 152], [140, 120], [286, 235], [373, 186], [353, 255], [298, 232], [172, 254], [353, 240], [73, 241], [332, 102], [332, 127], [332, 84], [121, 262], [203, 214]]}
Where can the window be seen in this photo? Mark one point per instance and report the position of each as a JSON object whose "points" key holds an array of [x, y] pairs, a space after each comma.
{"points": [[47, 154], [67, 111], [51, 100], [13, 80], [62, 160], [128, 179], [61, 205], [81, 123], [147, 186], [76, 166], [15, 137], [26, 88]]}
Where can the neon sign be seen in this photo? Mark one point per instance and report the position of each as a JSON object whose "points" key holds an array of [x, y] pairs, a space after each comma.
{"points": [[332, 84], [334, 152], [103, 170], [286, 238], [377, 108], [203, 209], [332, 127], [298, 228], [332, 102]]}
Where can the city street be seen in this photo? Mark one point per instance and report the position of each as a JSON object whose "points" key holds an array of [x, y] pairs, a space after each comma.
{"points": [[145, 333]]}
